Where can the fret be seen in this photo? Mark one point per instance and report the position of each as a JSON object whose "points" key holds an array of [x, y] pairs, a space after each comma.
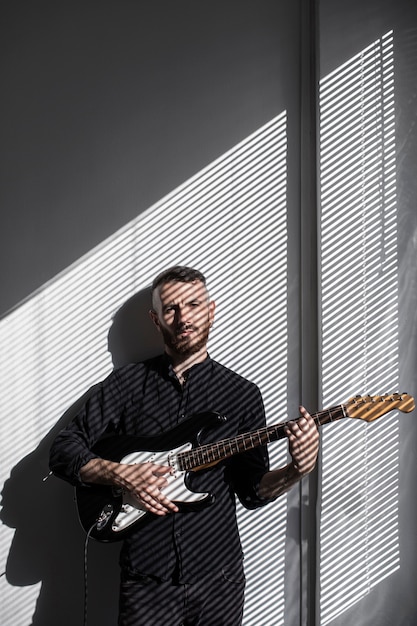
{"points": [[329, 415], [250, 442], [222, 447]]}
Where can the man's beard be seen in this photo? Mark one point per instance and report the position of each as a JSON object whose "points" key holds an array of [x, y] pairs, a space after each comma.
{"points": [[187, 345]]}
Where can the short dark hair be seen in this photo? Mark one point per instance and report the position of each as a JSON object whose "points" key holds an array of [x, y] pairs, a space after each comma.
{"points": [[178, 274]]}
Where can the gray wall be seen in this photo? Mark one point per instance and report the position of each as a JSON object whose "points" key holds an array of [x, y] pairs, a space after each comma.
{"points": [[106, 108]]}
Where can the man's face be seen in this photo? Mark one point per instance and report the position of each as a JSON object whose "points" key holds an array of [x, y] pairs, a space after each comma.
{"points": [[183, 314]]}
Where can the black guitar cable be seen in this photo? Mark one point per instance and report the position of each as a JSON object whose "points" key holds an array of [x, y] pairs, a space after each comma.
{"points": [[99, 524], [96, 524], [86, 572]]}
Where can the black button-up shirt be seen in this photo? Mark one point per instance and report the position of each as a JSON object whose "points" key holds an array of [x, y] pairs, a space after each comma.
{"points": [[146, 399]]}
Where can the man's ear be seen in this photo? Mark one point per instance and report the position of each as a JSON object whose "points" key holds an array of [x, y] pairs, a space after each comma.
{"points": [[212, 308], [154, 317]]}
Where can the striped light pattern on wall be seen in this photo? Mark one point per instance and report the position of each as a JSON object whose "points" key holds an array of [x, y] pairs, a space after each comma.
{"points": [[230, 221], [359, 487]]}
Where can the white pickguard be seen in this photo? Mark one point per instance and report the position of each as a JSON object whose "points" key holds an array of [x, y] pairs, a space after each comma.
{"points": [[176, 490]]}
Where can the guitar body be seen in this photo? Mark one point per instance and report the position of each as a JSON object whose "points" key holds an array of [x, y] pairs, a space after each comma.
{"points": [[108, 514]]}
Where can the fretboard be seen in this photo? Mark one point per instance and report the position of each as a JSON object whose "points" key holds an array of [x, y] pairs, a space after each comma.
{"points": [[210, 454]]}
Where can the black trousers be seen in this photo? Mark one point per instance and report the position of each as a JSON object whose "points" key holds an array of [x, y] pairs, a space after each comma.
{"points": [[214, 600]]}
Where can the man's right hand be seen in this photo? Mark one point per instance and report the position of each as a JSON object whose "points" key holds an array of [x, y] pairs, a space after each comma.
{"points": [[144, 482]]}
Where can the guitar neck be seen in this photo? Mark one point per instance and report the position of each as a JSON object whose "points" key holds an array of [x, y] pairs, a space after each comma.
{"points": [[211, 454]]}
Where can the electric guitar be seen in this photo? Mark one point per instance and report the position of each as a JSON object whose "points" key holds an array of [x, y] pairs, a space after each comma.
{"points": [[108, 514]]}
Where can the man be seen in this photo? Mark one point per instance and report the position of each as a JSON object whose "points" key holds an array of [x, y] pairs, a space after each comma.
{"points": [[181, 565]]}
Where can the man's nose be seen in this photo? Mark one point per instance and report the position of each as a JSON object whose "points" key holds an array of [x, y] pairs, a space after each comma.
{"points": [[183, 315]]}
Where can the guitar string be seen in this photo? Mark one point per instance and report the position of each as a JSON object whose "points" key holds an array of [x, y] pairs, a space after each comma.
{"points": [[209, 453]]}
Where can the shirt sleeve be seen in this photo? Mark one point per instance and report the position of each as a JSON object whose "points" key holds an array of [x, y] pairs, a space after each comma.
{"points": [[245, 470], [72, 448]]}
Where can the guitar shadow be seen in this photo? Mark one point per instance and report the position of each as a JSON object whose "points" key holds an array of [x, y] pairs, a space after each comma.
{"points": [[48, 542]]}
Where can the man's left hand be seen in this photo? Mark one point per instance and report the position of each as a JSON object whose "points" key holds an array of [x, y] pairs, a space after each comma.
{"points": [[303, 438]]}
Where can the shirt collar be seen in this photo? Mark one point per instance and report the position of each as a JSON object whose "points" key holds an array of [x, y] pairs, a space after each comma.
{"points": [[197, 367]]}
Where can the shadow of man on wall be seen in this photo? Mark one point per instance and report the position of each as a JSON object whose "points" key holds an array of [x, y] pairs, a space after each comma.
{"points": [[48, 543]]}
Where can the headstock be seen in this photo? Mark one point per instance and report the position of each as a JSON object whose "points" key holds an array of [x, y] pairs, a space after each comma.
{"points": [[369, 408]]}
